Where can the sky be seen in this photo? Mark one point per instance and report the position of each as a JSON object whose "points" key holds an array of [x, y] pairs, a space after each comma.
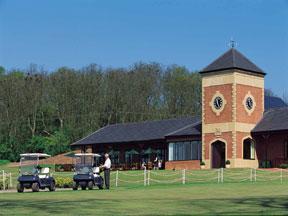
{"points": [[119, 33]]}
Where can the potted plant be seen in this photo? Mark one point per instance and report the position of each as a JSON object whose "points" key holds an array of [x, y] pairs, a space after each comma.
{"points": [[202, 165], [227, 163]]}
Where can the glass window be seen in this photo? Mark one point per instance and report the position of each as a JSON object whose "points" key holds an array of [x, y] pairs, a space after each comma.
{"points": [[248, 149], [170, 151], [188, 150]]}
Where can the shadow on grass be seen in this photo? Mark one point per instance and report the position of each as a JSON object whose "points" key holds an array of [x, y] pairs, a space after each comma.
{"points": [[242, 206], [51, 206], [84, 205]]}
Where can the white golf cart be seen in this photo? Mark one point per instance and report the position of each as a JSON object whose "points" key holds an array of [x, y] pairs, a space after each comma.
{"points": [[32, 175], [87, 171]]}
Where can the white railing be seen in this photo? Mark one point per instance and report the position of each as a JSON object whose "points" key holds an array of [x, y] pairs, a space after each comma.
{"points": [[5, 180], [152, 177], [156, 177]]}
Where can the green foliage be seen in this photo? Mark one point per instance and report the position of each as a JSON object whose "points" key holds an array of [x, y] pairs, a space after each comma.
{"points": [[54, 144], [283, 166], [42, 112], [64, 182], [2, 70], [228, 162], [202, 163], [6, 182], [4, 162]]}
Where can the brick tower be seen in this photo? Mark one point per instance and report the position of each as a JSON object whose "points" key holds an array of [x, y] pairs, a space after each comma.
{"points": [[232, 104]]}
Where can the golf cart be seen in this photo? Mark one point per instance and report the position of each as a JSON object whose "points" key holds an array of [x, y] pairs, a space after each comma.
{"points": [[32, 175], [87, 171]]}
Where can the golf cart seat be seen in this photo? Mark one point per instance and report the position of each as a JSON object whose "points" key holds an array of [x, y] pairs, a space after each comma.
{"points": [[44, 172], [96, 171]]}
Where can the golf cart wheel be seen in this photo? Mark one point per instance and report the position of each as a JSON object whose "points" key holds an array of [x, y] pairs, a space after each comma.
{"points": [[75, 186], [20, 188], [52, 186], [90, 185], [100, 186], [35, 187], [83, 187]]}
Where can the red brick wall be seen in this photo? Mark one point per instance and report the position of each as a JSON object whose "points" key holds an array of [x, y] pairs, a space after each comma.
{"points": [[275, 148], [226, 114], [241, 114], [227, 136], [189, 165]]}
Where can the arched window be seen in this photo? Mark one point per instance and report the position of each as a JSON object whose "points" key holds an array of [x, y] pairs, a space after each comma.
{"points": [[248, 149]]}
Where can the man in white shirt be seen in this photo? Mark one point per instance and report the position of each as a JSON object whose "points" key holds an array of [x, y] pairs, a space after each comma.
{"points": [[107, 166]]}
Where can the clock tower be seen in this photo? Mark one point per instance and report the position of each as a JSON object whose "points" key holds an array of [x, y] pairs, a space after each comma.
{"points": [[232, 104]]}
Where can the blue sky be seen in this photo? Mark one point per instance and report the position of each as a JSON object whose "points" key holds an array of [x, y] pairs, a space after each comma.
{"points": [[118, 33]]}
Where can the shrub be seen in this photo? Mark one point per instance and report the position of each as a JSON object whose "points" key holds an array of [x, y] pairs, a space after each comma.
{"points": [[228, 162], [59, 168], [3, 162], [64, 182], [6, 183], [283, 166], [202, 163]]}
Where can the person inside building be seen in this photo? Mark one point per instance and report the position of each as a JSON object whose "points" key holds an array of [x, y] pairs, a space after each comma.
{"points": [[160, 164], [155, 163], [106, 167]]}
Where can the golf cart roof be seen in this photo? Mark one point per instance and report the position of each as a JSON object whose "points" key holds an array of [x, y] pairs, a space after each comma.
{"points": [[87, 154], [37, 155]]}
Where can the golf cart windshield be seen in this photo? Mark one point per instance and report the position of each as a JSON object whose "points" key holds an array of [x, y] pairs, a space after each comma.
{"points": [[29, 163], [29, 166], [85, 163]]}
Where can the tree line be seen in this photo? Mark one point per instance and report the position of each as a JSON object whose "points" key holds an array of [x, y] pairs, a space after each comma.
{"points": [[46, 112]]}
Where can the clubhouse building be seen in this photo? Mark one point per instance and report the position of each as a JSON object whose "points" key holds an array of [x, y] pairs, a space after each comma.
{"points": [[238, 124]]}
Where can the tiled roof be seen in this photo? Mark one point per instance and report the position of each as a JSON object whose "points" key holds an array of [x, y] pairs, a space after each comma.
{"points": [[273, 120], [189, 130], [142, 131], [232, 59], [272, 102]]}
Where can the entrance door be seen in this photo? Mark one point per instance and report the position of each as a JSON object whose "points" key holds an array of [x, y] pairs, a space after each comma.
{"points": [[218, 154]]}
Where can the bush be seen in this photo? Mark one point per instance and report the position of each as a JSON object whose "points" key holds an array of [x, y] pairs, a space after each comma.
{"points": [[202, 163], [3, 162], [6, 183], [283, 166], [265, 164], [228, 162], [59, 168], [64, 182]]}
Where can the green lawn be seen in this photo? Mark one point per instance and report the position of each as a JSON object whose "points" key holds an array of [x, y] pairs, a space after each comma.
{"points": [[213, 199], [236, 195]]}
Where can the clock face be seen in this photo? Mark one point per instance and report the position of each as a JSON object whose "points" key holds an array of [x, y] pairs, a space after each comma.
{"points": [[249, 103], [218, 102]]}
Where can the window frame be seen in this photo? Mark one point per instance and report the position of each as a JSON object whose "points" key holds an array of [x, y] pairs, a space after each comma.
{"points": [[251, 148], [179, 150]]}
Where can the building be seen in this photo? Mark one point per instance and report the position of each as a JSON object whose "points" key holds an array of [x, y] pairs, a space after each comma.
{"points": [[238, 124]]}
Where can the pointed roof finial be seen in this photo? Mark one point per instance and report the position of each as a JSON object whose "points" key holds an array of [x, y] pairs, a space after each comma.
{"points": [[232, 43]]}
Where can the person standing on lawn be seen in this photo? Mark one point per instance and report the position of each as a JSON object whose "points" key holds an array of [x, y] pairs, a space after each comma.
{"points": [[106, 167]]}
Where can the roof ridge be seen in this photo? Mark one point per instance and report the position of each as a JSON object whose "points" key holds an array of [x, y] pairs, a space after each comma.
{"points": [[233, 57], [180, 129], [217, 59], [247, 59], [102, 128]]}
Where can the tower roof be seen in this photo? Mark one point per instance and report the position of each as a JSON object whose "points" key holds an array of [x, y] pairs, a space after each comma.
{"points": [[232, 59]]}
